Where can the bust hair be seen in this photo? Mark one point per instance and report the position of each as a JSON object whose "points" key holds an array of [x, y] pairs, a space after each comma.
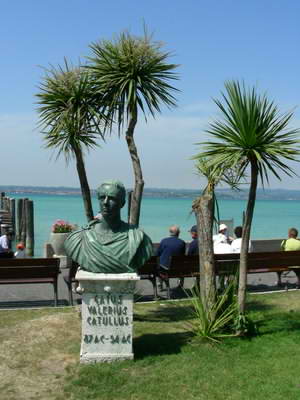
{"points": [[174, 230], [118, 186]]}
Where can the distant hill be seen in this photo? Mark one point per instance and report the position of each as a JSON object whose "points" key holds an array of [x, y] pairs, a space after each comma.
{"points": [[267, 194]]}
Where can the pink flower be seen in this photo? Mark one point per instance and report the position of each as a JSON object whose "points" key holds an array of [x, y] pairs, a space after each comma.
{"points": [[61, 226]]}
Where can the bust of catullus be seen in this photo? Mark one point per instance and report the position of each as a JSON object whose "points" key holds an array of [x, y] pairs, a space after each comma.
{"points": [[108, 244]]}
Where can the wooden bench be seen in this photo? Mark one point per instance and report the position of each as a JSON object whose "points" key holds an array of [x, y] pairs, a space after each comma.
{"points": [[30, 270], [225, 264]]}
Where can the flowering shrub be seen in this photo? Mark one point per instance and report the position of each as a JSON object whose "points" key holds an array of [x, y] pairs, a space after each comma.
{"points": [[61, 226]]}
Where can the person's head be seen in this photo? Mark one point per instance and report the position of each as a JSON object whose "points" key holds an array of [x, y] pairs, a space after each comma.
{"points": [[238, 231], [20, 246], [292, 233], [174, 230], [194, 231], [9, 235], [223, 229], [112, 197]]}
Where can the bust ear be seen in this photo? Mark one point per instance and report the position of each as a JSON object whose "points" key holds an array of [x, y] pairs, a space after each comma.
{"points": [[122, 203]]}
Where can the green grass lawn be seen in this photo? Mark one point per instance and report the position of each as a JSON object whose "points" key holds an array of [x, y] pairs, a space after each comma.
{"points": [[39, 356]]}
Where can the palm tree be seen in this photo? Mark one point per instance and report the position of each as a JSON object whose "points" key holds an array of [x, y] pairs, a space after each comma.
{"points": [[204, 208], [70, 119], [251, 134], [132, 74]]}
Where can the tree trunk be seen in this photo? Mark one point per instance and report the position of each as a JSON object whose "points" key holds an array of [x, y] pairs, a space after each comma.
{"points": [[85, 189], [204, 208], [136, 197], [246, 238]]}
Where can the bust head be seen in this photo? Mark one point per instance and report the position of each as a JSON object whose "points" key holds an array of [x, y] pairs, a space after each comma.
{"points": [[109, 245], [111, 196]]}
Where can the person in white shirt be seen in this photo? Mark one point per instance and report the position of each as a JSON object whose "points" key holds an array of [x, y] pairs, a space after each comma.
{"points": [[236, 244], [222, 235], [221, 241], [5, 240], [222, 248]]}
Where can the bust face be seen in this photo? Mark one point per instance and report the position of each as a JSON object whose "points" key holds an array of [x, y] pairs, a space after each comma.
{"points": [[110, 200]]}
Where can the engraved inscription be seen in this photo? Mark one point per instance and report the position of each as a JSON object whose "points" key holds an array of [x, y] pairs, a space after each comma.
{"points": [[112, 339], [108, 311]]}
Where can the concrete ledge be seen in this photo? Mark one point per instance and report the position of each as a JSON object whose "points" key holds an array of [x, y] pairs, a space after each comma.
{"points": [[89, 358]]}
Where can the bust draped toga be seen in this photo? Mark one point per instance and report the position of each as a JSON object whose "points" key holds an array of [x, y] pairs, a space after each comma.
{"points": [[110, 253]]}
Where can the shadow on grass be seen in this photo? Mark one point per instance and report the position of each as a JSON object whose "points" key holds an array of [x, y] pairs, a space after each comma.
{"points": [[260, 287], [159, 344], [288, 322], [255, 305], [31, 304], [166, 313]]}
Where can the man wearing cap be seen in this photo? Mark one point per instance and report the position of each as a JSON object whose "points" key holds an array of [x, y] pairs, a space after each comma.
{"points": [[222, 236], [168, 247], [193, 246]]}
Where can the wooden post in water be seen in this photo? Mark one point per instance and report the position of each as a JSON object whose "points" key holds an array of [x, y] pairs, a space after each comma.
{"points": [[2, 195], [29, 228], [19, 219], [24, 217], [13, 215], [5, 205]]}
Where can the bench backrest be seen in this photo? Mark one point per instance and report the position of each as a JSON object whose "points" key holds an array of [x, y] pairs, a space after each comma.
{"points": [[48, 271], [226, 263], [149, 268], [29, 262]]}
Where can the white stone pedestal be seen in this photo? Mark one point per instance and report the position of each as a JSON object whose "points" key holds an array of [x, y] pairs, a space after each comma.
{"points": [[107, 315]]}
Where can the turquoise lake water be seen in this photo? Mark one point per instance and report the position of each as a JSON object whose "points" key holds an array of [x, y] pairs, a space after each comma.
{"points": [[271, 218]]}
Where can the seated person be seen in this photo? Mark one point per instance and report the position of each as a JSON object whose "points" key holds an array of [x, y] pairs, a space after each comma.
{"points": [[222, 236], [5, 245], [291, 244], [221, 246], [236, 244], [20, 253], [193, 246], [168, 247]]}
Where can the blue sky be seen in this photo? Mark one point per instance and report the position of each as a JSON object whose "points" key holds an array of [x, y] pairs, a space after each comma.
{"points": [[213, 41]]}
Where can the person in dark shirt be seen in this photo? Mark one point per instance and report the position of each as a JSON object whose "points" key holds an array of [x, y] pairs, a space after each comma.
{"points": [[168, 247], [193, 246]]}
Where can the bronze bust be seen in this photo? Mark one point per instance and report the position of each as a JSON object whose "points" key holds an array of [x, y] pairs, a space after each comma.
{"points": [[109, 245]]}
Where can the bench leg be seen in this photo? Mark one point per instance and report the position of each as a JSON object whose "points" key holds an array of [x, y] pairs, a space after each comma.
{"points": [[154, 284], [198, 284], [55, 294], [70, 294], [168, 288]]}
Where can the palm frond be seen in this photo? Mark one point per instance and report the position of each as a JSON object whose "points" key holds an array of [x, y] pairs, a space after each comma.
{"points": [[132, 73], [68, 109], [252, 128]]}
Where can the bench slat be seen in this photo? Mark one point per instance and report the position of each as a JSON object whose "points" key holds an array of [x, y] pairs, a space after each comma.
{"points": [[25, 281], [28, 262]]}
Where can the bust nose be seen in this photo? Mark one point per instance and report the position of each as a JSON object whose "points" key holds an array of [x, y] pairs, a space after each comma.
{"points": [[105, 200]]}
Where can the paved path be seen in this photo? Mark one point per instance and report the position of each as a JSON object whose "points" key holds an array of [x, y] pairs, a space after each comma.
{"points": [[19, 296]]}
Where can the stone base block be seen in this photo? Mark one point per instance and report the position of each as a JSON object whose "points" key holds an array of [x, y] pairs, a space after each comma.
{"points": [[97, 358], [107, 312]]}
